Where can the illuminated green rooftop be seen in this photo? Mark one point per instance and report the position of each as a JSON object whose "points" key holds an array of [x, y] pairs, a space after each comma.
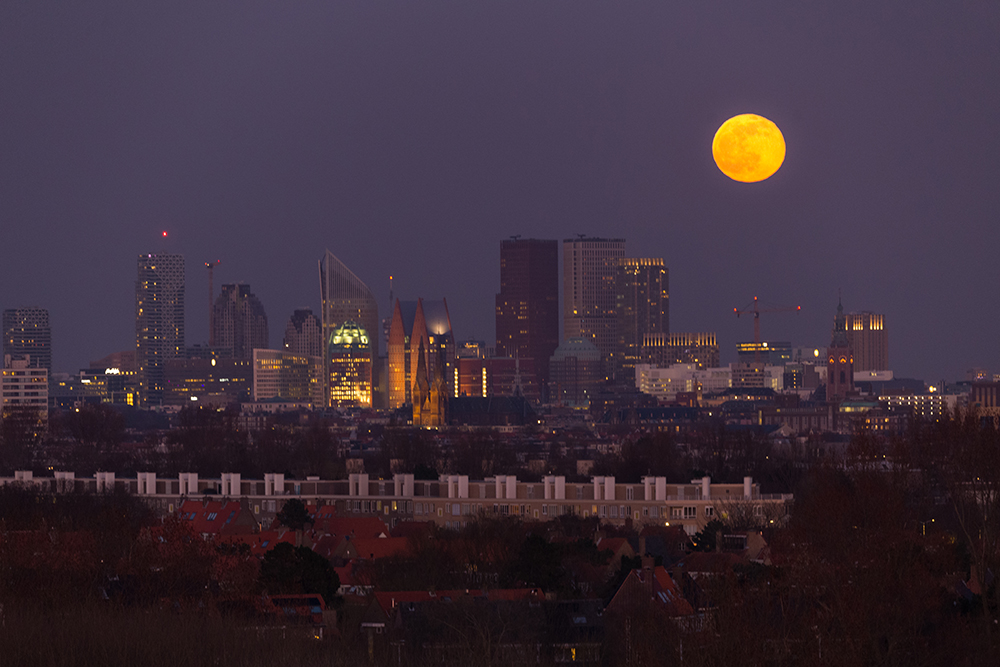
{"points": [[349, 335]]}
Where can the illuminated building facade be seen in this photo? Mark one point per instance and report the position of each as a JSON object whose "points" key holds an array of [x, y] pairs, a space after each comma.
{"points": [[27, 335], [589, 296], [240, 322], [575, 372], [773, 353], [418, 328], [527, 307], [642, 297], [700, 349], [344, 297], [867, 337], [304, 334], [350, 353], [494, 376], [840, 360], [286, 376], [208, 380], [159, 321], [24, 390]]}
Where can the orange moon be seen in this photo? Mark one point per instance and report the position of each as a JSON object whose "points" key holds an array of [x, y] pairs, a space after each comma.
{"points": [[748, 148]]}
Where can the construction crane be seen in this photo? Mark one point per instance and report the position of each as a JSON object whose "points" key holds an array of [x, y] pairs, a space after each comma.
{"points": [[211, 305], [756, 311]]}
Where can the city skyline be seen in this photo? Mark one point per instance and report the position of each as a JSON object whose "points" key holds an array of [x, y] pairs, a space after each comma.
{"points": [[409, 140]]}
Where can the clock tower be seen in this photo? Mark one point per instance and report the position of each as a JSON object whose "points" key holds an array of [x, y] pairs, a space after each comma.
{"points": [[840, 360]]}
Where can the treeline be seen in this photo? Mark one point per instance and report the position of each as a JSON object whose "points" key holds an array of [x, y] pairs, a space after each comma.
{"points": [[100, 437]]}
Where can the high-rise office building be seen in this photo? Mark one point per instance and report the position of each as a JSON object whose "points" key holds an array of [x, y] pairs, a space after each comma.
{"points": [[699, 349], [868, 339], [589, 298], [344, 297], [287, 376], [26, 333], [350, 370], [642, 297], [159, 320], [527, 307], [240, 322], [304, 334]]}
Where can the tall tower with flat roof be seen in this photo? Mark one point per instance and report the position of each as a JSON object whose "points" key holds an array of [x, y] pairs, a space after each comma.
{"points": [[159, 321], [642, 292], [527, 306], [868, 338], [27, 334], [589, 295]]}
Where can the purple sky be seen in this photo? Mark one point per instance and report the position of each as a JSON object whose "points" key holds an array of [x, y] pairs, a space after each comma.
{"points": [[409, 138]]}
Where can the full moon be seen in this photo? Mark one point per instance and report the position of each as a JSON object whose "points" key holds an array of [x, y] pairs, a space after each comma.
{"points": [[748, 148]]}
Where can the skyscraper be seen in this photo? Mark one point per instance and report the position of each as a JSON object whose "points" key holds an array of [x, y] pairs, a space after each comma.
{"points": [[350, 373], [527, 307], [589, 296], [345, 298], [159, 320], [642, 297], [868, 339], [239, 322], [304, 334], [26, 334]]}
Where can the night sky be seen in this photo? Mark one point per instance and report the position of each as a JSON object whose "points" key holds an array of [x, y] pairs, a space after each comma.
{"points": [[409, 138]]}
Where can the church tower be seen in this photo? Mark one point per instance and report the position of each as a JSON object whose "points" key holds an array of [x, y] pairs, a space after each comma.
{"points": [[840, 360]]}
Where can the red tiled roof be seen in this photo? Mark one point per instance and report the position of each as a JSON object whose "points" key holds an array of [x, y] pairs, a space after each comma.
{"points": [[664, 592], [366, 526], [612, 544], [212, 517]]}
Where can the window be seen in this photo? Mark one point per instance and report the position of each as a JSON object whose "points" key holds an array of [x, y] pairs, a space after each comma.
{"points": [[690, 512], [531, 490], [676, 513], [709, 510], [629, 493]]}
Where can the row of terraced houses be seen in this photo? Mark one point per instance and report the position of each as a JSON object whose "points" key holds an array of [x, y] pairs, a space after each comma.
{"points": [[450, 501]]}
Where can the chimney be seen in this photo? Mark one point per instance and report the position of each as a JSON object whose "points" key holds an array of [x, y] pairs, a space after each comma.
{"points": [[647, 574], [642, 546]]}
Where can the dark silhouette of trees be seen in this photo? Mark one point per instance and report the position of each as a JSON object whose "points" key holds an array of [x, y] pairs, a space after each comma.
{"points": [[21, 431], [295, 570]]}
